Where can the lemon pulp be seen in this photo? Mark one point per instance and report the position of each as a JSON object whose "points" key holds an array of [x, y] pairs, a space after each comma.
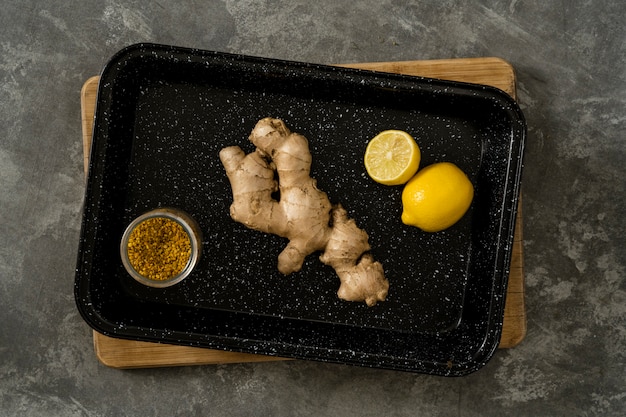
{"points": [[392, 157]]}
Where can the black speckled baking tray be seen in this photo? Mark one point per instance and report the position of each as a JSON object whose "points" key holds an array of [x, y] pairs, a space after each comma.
{"points": [[163, 114]]}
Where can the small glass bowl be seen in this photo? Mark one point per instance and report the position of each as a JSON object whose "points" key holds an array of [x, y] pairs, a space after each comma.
{"points": [[188, 224]]}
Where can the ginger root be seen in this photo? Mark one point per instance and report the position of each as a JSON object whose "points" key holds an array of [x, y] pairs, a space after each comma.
{"points": [[302, 213]]}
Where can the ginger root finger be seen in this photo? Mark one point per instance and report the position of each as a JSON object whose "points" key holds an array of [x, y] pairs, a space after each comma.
{"points": [[254, 184], [362, 278], [302, 213]]}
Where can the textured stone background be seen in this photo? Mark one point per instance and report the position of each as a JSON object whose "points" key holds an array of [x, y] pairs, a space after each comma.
{"points": [[570, 59]]}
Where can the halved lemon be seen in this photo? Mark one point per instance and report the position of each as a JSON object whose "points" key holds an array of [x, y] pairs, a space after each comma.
{"points": [[392, 157]]}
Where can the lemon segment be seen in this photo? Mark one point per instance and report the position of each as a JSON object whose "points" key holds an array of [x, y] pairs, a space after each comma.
{"points": [[392, 157], [436, 197]]}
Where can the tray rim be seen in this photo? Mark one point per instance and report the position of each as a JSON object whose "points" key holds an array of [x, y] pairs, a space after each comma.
{"points": [[516, 192]]}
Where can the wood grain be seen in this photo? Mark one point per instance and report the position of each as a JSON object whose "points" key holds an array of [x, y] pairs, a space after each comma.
{"points": [[121, 353]]}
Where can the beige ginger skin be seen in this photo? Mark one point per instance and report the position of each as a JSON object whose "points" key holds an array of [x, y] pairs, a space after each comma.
{"points": [[303, 214]]}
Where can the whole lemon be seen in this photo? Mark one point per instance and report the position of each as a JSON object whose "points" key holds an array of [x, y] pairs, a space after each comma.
{"points": [[436, 197]]}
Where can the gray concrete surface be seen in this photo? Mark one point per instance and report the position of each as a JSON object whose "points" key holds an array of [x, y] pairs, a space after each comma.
{"points": [[570, 59]]}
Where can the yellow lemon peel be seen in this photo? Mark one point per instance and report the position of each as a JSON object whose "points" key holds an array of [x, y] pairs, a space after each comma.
{"points": [[437, 197]]}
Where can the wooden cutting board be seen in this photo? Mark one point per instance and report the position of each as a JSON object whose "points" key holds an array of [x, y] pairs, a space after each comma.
{"points": [[120, 353]]}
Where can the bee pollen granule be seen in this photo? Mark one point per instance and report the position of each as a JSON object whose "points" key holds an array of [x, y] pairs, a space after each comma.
{"points": [[159, 248]]}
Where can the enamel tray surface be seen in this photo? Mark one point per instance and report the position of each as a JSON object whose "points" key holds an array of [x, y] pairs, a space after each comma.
{"points": [[164, 113]]}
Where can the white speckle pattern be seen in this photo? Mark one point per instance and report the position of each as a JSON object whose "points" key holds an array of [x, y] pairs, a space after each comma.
{"points": [[157, 138]]}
